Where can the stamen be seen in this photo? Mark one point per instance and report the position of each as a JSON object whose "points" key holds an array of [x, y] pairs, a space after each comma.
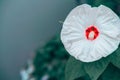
{"points": [[92, 33]]}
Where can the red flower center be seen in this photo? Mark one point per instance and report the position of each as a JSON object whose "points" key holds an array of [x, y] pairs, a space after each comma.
{"points": [[91, 33]]}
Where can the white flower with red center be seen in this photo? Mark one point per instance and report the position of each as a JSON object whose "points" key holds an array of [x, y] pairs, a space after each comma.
{"points": [[90, 33]]}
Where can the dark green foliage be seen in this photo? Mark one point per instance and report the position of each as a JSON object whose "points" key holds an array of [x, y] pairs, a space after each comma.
{"points": [[51, 60], [95, 69], [115, 58], [86, 77], [74, 69], [111, 73]]}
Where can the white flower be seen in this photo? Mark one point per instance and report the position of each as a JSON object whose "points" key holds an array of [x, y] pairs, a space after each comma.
{"points": [[90, 33]]}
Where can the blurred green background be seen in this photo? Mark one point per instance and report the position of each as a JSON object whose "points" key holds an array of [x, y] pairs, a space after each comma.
{"points": [[26, 25], [27, 28]]}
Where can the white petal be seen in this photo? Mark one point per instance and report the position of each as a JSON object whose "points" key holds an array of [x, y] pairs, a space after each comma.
{"points": [[84, 51], [118, 37], [108, 22], [106, 15], [80, 49], [110, 30], [87, 56], [79, 16], [106, 45]]}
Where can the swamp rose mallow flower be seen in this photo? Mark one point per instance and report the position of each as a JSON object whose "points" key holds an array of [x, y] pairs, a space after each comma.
{"points": [[90, 33]]}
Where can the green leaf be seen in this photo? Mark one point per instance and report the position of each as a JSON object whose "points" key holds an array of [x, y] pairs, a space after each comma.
{"points": [[111, 73], [118, 1], [74, 69], [115, 58], [109, 3], [95, 69], [86, 77], [98, 2]]}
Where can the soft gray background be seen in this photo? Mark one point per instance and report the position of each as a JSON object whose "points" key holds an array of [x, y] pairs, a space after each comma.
{"points": [[25, 25]]}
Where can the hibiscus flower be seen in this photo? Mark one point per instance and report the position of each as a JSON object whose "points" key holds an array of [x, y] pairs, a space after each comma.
{"points": [[90, 33]]}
